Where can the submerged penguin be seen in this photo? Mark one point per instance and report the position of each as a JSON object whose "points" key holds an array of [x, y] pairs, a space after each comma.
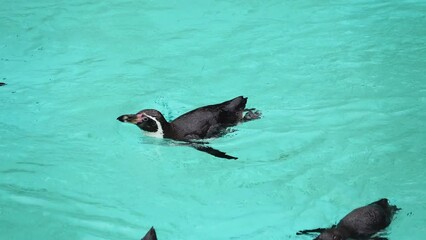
{"points": [[205, 122], [361, 223], [2, 84], [150, 235]]}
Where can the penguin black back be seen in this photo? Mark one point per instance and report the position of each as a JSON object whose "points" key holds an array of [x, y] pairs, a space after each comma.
{"points": [[360, 223], [209, 121]]}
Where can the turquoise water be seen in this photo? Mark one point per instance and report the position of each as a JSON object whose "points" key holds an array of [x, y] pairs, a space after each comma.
{"points": [[341, 85]]}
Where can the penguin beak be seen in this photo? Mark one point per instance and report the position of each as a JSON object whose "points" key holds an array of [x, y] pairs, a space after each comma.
{"points": [[130, 118]]}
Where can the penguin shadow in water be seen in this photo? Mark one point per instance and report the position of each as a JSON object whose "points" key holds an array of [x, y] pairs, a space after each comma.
{"points": [[150, 235], [361, 223], [191, 128]]}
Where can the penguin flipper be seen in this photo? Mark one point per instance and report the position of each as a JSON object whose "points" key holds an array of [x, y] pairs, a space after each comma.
{"points": [[150, 235], [310, 231], [212, 151]]}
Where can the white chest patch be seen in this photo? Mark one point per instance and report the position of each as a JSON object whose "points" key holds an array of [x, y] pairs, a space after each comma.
{"points": [[159, 133]]}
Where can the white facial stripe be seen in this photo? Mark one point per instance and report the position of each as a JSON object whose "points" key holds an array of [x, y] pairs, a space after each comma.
{"points": [[159, 133]]}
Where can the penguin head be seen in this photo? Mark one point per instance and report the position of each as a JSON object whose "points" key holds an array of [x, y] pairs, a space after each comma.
{"points": [[149, 120], [384, 203]]}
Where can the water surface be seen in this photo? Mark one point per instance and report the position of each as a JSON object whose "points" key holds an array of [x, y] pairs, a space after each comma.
{"points": [[341, 87]]}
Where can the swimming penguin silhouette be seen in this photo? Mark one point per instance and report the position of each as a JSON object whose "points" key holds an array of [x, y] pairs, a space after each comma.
{"points": [[202, 123], [361, 223]]}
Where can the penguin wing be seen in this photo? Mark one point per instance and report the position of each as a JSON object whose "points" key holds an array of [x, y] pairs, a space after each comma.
{"points": [[212, 151], [311, 231], [150, 235]]}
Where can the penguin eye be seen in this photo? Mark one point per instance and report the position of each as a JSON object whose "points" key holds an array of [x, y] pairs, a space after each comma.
{"points": [[144, 119]]}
